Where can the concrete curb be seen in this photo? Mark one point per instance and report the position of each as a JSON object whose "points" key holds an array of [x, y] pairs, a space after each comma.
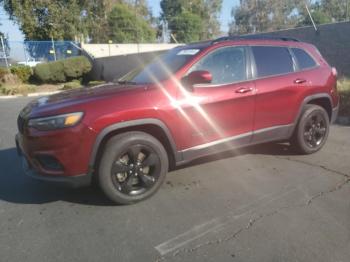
{"points": [[31, 95], [343, 120]]}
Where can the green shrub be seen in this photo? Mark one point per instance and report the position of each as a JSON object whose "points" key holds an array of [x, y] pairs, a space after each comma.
{"points": [[95, 83], [3, 72], [23, 72], [76, 67], [344, 93], [60, 71], [22, 89], [71, 85], [51, 72]]}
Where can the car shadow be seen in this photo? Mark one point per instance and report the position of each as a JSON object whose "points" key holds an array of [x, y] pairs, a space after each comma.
{"points": [[16, 187]]}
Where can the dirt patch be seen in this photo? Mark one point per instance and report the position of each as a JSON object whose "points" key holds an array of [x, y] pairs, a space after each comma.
{"points": [[48, 87]]}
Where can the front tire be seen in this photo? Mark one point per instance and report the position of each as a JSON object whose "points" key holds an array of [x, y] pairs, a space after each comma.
{"points": [[312, 130], [132, 168]]}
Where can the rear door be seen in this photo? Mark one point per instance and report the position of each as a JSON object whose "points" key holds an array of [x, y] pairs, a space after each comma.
{"points": [[277, 89]]}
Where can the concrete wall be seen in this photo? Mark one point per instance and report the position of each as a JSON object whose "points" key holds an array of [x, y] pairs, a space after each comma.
{"points": [[114, 67], [333, 41], [105, 50]]}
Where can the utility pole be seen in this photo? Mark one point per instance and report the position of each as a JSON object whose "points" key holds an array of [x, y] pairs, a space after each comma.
{"points": [[52, 42], [312, 20], [53, 47], [137, 29], [4, 52]]}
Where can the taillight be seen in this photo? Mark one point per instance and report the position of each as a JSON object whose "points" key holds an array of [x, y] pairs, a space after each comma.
{"points": [[334, 71]]}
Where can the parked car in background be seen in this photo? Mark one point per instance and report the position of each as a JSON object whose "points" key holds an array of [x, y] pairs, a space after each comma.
{"points": [[193, 101], [30, 62]]}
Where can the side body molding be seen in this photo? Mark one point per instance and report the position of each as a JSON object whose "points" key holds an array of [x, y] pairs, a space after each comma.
{"points": [[133, 123]]}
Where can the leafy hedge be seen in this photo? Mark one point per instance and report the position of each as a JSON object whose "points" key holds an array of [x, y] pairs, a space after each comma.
{"points": [[23, 72], [76, 67], [71, 85], [63, 70]]}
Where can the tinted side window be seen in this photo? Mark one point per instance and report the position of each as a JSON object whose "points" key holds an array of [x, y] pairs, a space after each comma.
{"points": [[271, 60], [304, 59], [227, 65]]}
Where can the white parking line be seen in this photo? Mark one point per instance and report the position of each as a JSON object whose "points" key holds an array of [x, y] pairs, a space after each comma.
{"points": [[192, 234], [31, 95], [219, 223]]}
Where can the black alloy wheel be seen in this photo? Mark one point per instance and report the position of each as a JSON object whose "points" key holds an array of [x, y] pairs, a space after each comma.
{"points": [[312, 130], [136, 170], [132, 168], [315, 129]]}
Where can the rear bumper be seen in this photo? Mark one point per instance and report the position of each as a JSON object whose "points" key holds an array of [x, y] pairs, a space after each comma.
{"points": [[30, 170], [334, 114]]}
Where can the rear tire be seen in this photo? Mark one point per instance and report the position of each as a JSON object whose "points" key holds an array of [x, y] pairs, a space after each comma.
{"points": [[132, 168], [312, 130]]}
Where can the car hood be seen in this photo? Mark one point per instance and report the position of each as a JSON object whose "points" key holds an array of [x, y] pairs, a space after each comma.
{"points": [[66, 100]]}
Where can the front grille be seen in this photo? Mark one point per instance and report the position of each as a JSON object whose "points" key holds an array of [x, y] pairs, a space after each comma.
{"points": [[20, 124]]}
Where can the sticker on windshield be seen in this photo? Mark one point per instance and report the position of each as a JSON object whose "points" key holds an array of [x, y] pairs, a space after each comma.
{"points": [[188, 52]]}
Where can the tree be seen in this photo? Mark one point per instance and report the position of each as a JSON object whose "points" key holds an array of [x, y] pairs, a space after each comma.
{"points": [[43, 19], [68, 19], [253, 16], [126, 26], [318, 15], [338, 10], [173, 11], [187, 27], [250, 16]]}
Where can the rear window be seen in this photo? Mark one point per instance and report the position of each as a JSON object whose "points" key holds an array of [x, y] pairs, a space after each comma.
{"points": [[304, 60], [272, 60]]}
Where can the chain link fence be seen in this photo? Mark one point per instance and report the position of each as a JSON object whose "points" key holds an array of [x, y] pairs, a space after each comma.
{"points": [[33, 52]]}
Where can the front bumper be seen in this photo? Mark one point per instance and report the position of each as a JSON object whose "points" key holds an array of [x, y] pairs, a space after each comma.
{"points": [[33, 170]]}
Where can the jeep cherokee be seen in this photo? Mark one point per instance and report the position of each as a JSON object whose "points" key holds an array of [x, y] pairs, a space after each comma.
{"points": [[194, 100]]}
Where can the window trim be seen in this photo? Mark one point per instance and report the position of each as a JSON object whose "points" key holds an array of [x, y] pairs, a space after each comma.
{"points": [[247, 65], [297, 62]]}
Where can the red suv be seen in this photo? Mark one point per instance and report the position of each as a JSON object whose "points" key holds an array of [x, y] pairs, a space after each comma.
{"points": [[194, 100]]}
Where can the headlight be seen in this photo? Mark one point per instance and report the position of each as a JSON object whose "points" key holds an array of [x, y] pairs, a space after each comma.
{"points": [[55, 122]]}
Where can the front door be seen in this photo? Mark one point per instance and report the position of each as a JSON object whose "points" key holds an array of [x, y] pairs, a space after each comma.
{"points": [[219, 115]]}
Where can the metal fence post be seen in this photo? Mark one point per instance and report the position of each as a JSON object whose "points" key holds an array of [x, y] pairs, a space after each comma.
{"points": [[53, 47], [4, 51]]}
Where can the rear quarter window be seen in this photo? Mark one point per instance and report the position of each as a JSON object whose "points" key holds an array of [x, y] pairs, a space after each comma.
{"points": [[304, 60], [272, 60]]}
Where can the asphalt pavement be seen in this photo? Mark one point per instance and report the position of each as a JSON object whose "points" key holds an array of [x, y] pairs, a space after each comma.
{"points": [[258, 204]]}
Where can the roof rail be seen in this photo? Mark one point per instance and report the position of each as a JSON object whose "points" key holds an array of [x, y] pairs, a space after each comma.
{"points": [[254, 37]]}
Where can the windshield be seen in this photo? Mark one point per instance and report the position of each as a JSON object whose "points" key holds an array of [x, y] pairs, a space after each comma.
{"points": [[162, 67]]}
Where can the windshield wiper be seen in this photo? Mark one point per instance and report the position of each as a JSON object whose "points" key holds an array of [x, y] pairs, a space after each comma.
{"points": [[125, 82]]}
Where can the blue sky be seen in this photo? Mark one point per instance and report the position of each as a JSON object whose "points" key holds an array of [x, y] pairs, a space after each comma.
{"points": [[15, 34]]}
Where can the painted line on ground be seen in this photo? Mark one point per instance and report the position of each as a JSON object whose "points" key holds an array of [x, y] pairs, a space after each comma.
{"points": [[190, 235], [218, 224], [31, 95]]}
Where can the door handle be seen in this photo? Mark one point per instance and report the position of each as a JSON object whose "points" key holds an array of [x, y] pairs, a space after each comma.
{"points": [[299, 81], [244, 90]]}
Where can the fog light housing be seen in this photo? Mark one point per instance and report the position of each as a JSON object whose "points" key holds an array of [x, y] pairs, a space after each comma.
{"points": [[49, 162]]}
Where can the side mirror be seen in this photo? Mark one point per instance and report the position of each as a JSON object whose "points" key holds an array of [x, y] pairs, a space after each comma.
{"points": [[197, 77]]}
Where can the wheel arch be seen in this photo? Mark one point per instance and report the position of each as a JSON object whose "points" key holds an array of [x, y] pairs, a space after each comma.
{"points": [[323, 102], [323, 99], [153, 127]]}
